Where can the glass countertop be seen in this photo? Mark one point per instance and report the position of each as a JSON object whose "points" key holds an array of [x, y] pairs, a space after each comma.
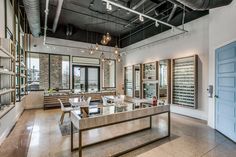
{"points": [[99, 110]]}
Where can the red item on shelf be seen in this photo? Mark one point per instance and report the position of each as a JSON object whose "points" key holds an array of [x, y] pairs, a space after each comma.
{"points": [[154, 101]]}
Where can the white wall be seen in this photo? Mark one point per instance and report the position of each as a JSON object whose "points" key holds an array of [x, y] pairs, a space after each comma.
{"points": [[222, 31], [194, 42]]}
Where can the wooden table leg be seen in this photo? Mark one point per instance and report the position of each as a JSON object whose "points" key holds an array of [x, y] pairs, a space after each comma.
{"points": [[71, 136], [169, 124], [80, 143], [150, 122]]}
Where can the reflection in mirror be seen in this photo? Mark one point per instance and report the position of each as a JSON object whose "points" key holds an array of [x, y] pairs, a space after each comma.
{"points": [[109, 71], [137, 73], [163, 80]]}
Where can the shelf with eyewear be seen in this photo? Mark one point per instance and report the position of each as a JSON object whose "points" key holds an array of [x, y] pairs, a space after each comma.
{"points": [[128, 80], [7, 76], [185, 81], [150, 80]]}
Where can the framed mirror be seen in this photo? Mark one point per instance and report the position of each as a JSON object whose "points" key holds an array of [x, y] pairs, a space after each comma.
{"points": [[109, 74], [137, 81], [164, 81]]}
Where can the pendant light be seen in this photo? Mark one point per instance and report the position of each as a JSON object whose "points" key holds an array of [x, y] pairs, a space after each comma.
{"points": [[108, 37], [118, 58], [116, 50], [96, 47], [102, 57]]}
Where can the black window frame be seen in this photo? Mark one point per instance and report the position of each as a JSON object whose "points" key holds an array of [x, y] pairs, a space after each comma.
{"points": [[86, 75], [49, 77]]}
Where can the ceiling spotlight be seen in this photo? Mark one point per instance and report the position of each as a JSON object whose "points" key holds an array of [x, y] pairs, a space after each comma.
{"points": [[109, 7], [156, 24], [141, 18]]}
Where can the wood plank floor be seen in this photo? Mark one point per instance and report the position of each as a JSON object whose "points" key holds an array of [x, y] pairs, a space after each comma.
{"points": [[37, 134]]}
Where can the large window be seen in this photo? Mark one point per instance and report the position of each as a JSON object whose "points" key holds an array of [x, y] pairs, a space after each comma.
{"points": [[38, 65], [59, 71], [48, 71]]}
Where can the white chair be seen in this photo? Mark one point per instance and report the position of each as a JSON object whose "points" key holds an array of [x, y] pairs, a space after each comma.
{"points": [[64, 111], [88, 100], [104, 101], [122, 97]]}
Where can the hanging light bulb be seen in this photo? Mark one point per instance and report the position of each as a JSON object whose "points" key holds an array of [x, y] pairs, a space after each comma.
{"points": [[118, 58], [110, 62], [102, 57], [104, 40], [108, 37], [116, 50], [91, 51], [96, 47]]}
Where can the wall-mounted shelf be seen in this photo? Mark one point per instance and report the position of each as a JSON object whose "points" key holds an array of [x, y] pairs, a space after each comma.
{"points": [[150, 80], [5, 48], [5, 91], [185, 81], [6, 72]]}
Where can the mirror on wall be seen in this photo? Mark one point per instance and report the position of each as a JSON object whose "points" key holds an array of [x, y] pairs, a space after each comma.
{"points": [[109, 74], [164, 80], [137, 81]]}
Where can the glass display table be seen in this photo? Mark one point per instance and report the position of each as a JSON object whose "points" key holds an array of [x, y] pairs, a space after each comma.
{"points": [[101, 116]]}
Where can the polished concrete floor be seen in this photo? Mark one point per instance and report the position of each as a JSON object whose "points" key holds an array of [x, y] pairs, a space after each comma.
{"points": [[37, 134]]}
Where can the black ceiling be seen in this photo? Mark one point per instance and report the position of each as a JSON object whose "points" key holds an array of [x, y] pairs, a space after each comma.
{"points": [[90, 20]]}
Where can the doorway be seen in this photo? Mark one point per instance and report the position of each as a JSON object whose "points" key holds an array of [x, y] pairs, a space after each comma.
{"points": [[86, 78], [225, 97]]}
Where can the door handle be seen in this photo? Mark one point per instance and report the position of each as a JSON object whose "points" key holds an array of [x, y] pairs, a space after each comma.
{"points": [[216, 96]]}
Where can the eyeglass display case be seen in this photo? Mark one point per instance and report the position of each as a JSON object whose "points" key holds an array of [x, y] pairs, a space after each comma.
{"points": [[185, 81], [150, 80]]}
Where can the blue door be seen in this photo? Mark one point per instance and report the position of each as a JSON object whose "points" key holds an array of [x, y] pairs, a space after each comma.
{"points": [[226, 90]]}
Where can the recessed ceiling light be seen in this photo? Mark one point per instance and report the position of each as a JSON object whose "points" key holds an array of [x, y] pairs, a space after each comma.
{"points": [[82, 51]]}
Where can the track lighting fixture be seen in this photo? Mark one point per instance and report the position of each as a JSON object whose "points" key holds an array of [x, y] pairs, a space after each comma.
{"points": [[156, 24], [109, 7], [141, 18]]}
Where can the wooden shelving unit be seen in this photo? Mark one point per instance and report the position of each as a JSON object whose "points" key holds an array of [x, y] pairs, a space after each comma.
{"points": [[7, 76], [185, 81], [150, 80]]}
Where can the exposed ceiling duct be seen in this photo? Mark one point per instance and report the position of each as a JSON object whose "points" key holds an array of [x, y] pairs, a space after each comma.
{"points": [[33, 15], [58, 13], [204, 4]]}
